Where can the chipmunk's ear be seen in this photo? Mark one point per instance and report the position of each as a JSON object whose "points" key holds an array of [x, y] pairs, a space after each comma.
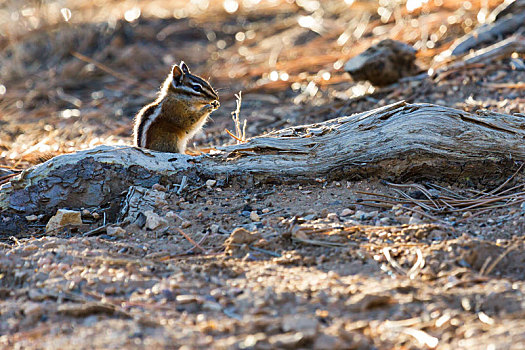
{"points": [[177, 75], [185, 67]]}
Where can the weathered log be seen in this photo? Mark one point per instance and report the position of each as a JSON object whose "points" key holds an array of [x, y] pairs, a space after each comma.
{"points": [[397, 142]]}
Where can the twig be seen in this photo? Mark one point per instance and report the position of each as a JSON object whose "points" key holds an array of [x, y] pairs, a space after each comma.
{"points": [[240, 132], [418, 265], [232, 135], [324, 244], [95, 231], [506, 181], [183, 184], [422, 337], [484, 266], [198, 244], [496, 262], [190, 239], [393, 263], [103, 67], [260, 250]]}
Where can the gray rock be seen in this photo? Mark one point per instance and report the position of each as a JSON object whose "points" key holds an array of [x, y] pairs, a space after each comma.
{"points": [[383, 63]]}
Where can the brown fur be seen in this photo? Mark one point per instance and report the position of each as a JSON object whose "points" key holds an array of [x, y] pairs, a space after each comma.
{"points": [[181, 116]]}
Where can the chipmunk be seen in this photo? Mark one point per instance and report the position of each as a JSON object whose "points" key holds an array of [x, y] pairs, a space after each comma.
{"points": [[185, 101]]}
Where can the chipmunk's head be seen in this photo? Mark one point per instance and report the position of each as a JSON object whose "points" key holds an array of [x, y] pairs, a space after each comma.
{"points": [[192, 87]]}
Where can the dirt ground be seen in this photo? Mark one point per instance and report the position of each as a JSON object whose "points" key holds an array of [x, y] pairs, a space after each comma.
{"points": [[324, 265]]}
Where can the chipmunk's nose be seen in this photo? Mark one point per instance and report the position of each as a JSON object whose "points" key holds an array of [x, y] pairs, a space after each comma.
{"points": [[215, 104]]}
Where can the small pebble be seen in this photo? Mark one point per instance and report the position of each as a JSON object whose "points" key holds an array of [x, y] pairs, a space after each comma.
{"points": [[30, 247], [384, 221], [116, 231], [254, 216], [265, 210], [62, 218], [214, 228], [186, 224], [211, 306], [154, 221], [186, 298], [332, 217], [211, 183], [414, 220], [159, 187], [31, 218], [171, 215], [347, 212], [95, 215], [33, 309], [110, 290]]}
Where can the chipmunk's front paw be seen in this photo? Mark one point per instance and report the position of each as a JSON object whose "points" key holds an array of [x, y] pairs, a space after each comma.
{"points": [[215, 104]]}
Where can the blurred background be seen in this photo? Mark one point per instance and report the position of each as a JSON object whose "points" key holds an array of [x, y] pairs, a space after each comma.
{"points": [[74, 73]]}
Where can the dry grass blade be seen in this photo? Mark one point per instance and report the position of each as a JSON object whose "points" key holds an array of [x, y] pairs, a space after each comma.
{"points": [[5, 178], [240, 132]]}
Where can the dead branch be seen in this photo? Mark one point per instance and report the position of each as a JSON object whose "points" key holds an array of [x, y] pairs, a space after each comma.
{"points": [[396, 142]]}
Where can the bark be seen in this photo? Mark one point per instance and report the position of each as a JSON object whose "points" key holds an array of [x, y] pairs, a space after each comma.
{"points": [[398, 142]]}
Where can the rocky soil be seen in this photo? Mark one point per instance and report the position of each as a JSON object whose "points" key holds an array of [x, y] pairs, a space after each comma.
{"points": [[321, 265]]}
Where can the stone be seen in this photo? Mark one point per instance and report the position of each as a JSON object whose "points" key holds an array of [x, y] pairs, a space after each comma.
{"points": [[286, 340], [414, 220], [384, 221], [360, 303], [383, 63], [301, 323], [328, 342], [186, 224], [211, 183], [116, 231], [33, 309], [254, 216], [347, 212], [332, 217], [214, 228], [242, 236], [62, 218], [187, 299], [211, 306], [154, 221], [31, 218], [363, 215], [159, 187]]}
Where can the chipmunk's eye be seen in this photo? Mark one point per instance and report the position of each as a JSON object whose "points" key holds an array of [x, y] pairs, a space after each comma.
{"points": [[197, 88]]}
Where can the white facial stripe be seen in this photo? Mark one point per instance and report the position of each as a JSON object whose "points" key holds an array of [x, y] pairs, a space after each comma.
{"points": [[150, 120], [187, 88]]}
